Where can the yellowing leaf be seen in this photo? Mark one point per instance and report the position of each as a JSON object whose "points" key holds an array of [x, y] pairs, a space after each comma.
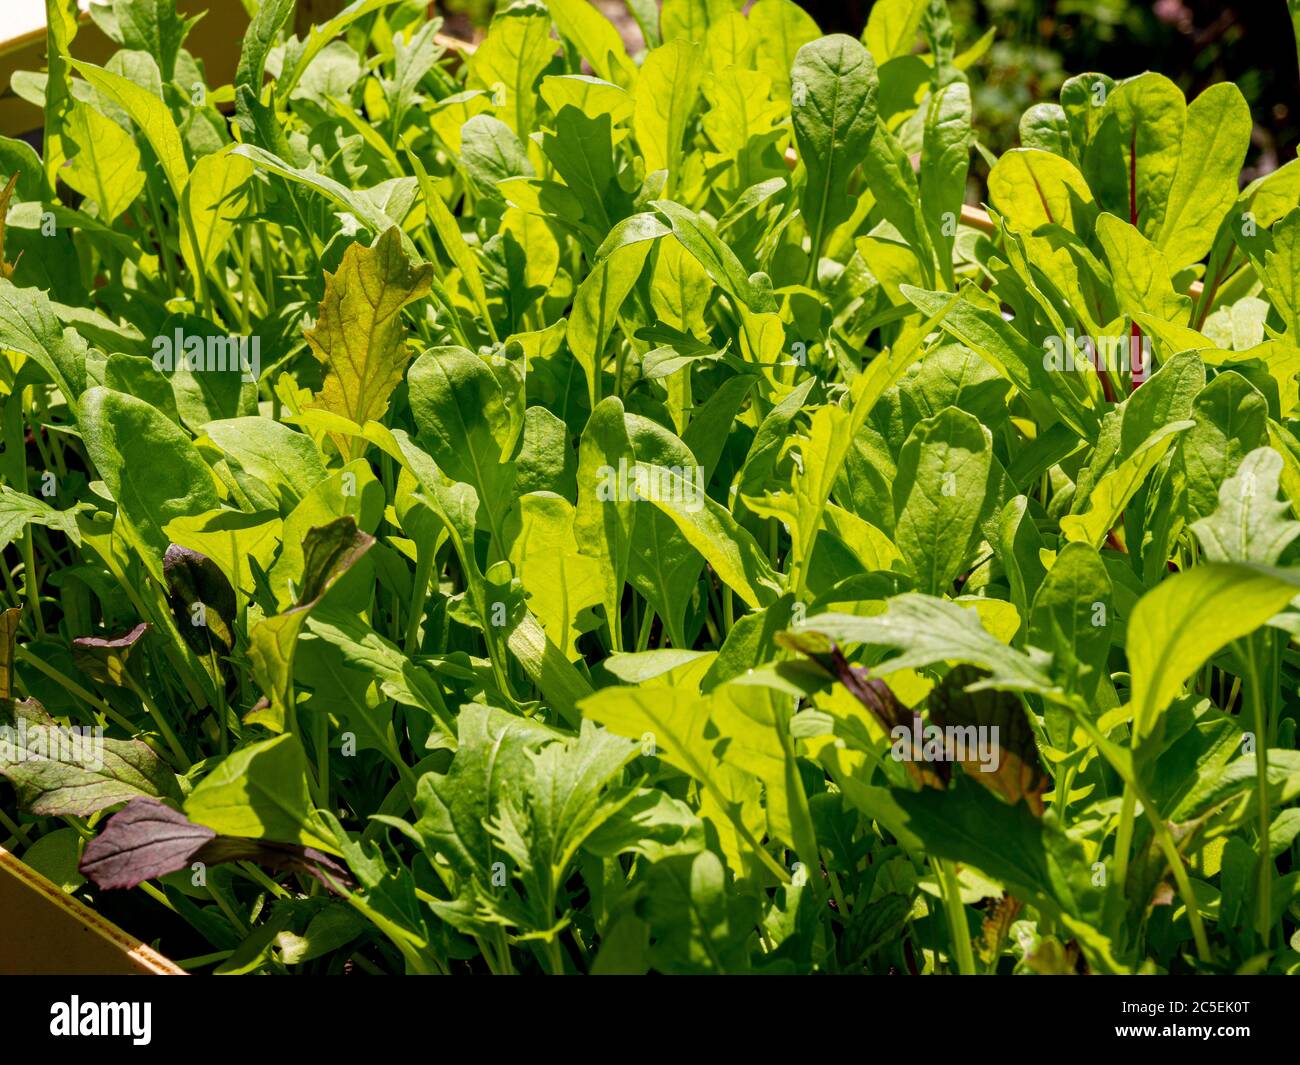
{"points": [[358, 335]]}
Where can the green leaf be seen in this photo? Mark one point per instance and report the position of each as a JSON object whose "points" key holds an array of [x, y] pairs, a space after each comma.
{"points": [[677, 727], [709, 527], [273, 465], [469, 426], [928, 630], [260, 792], [666, 91], [546, 815], [149, 113], [298, 55], [1231, 420], [1281, 270], [124, 437], [214, 200], [970, 825], [61, 21], [1073, 615], [939, 494], [106, 166], [455, 807], [453, 242], [945, 158], [259, 39], [59, 773], [231, 539], [29, 323], [1204, 189], [781, 28], [363, 208], [606, 511], [984, 330], [700, 924], [399, 677], [1140, 273], [559, 580], [1111, 494], [17, 511], [662, 565], [1184, 620], [834, 91], [596, 306], [329, 551], [1134, 153], [691, 20], [595, 38], [892, 28], [1250, 523], [153, 26], [517, 49]]}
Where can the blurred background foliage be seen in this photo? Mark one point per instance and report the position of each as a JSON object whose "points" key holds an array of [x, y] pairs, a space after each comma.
{"points": [[1039, 43]]}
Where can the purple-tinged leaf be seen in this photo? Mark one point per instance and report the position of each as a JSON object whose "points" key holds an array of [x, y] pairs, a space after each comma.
{"points": [[148, 839]]}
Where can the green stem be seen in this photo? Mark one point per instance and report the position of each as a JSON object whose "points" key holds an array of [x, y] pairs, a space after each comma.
{"points": [[182, 759], [155, 208], [1264, 884], [1123, 842], [73, 688], [958, 928]]}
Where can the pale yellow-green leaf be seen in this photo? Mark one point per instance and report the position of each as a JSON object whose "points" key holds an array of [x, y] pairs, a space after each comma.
{"points": [[261, 792], [231, 539], [677, 724], [510, 60], [592, 96], [1215, 140], [730, 42], [1031, 188], [595, 38], [214, 199], [559, 581], [782, 28], [666, 90], [453, 242], [595, 307], [106, 166], [892, 28], [149, 113], [679, 289], [535, 239]]}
